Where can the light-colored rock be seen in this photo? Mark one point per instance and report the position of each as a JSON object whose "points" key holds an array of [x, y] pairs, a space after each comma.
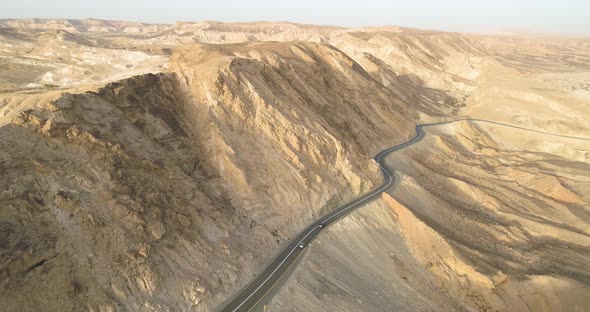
{"points": [[203, 171], [156, 229], [183, 220]]}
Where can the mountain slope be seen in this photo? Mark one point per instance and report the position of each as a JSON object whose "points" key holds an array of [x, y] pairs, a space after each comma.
{"points": [[172, 190], [143, 173], [498, 222]]}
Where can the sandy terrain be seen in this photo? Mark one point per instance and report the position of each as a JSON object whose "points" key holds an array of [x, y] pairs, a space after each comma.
{"points": [[159, 167]]}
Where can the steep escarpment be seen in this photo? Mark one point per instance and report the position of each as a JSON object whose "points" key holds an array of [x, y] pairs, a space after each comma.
{"points": [[439, 66], [497, 223], [170, 191], [252, 78], [434, 71], [516, 228]]}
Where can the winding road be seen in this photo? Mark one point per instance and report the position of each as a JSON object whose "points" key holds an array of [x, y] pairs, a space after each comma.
{"points": [[257, 291]]}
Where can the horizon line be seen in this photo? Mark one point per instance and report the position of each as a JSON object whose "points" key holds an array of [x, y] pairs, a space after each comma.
{"points": [[504, 33]]}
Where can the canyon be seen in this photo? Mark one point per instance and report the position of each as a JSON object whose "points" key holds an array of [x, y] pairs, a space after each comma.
{"points": [[150, 167]]}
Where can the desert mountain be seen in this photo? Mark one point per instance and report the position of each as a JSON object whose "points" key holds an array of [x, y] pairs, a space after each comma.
{"points": [[160, 167]]}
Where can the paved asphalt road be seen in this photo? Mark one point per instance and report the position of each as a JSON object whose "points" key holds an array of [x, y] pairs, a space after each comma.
{"points": [[251, 296]]}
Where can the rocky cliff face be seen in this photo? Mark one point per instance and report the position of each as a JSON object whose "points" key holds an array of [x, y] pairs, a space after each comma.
{"points": [[159, 167], [171, 190], [515, 232], [501, 224]]}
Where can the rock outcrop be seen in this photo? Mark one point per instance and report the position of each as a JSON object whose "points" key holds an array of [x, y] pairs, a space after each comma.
{"points": [[159, 167]]}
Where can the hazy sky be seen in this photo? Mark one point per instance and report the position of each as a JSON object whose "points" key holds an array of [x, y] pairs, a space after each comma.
{"points": [[537, 16]]}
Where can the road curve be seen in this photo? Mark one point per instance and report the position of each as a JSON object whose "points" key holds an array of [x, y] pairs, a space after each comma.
{"points": [[257, 290]]}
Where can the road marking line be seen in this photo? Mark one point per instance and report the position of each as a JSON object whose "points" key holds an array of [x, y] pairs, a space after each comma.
{"points": [[278, 279], [276, 269], [379, 158], [347, 207]]}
